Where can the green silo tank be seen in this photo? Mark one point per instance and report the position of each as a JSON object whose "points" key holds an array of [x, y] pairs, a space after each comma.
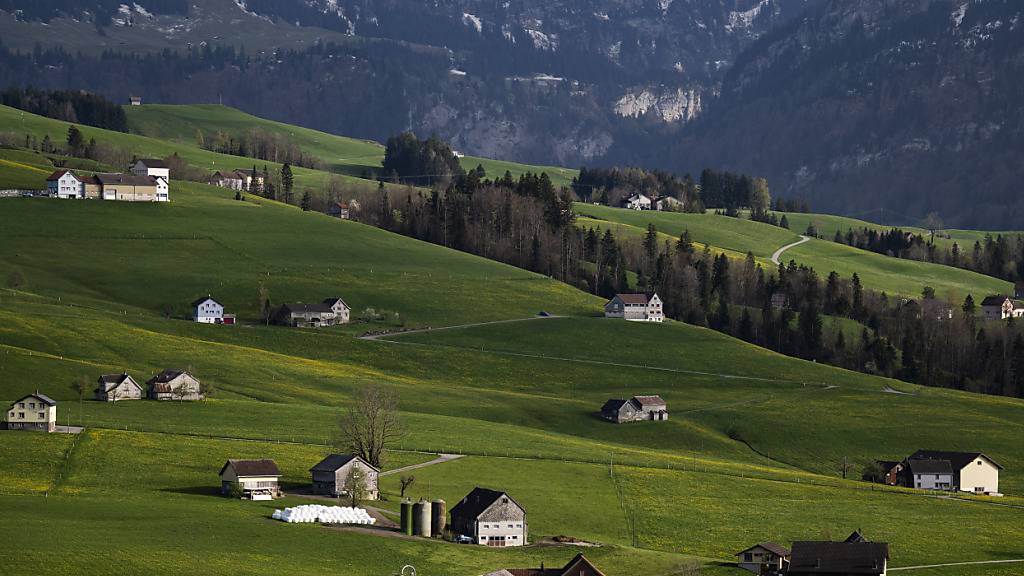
{"points": [[407, 517]]}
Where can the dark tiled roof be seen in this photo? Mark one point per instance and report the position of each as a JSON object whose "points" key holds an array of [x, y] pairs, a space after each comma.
{"points": [[113, 378], [993, 300], [335, 461], [856, 536], [57, 174], [772, 547], [204, 299], [480, 499], [613, 405], [332, 301], [649, 400], [957, 459], [45, 399], [252, 467], [578, 566], [153, 162], [634, 298], [887, 465], [930, 467], [847, 558], [126, 179], [165, 376]]}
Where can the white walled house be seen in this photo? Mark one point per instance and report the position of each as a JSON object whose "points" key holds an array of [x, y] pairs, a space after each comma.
{"points": [[490, 518], [163, 189], [341, 310], [971, 471], [33, 412], [251, 479], [209, 311], [637, 202], [174, 385], [152, 167], [763, 558], [635, 307], [64, 184], [930, 474], [114, 387]]}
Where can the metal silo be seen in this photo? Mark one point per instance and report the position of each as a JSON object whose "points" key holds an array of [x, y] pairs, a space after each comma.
{"points": [[407, 517], [439, 512], [421, 518]]}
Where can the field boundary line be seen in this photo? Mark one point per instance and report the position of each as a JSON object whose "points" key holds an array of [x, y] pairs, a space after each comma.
{"points": [[974, 563]]}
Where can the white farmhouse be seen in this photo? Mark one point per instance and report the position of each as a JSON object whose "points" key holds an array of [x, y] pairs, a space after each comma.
{"points": [[970, 471], [152, 167], [209, 311], [636, 307], [930, 474], [33, 412], [64, 184], [637, 202]]}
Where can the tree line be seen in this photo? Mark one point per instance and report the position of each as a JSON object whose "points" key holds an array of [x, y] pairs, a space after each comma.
{"points": [[260, 144], [609, 186], [75, 106]]}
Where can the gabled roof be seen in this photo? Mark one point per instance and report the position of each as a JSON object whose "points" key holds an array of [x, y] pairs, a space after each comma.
{"points": [[994, 300], [38, 396], [888, 465], [204, 299], [930, 467], [166, 376], [126, 179], [115, 378], [252, 467], [845, 558], [633, 298], [649, 400], [57, 175], [580, 566], [613, 405], [224, 176], [958, 459], [153, 162], [856, 536], [332, 301], [335, 461], [772, 547], [479, 500]]}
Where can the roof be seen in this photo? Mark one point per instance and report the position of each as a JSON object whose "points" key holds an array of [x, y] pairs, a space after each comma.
{"points": [[957, 459], [772, 547], [633, 298], [166, 376], [996, 300], [58, 174], [480, 499], [43, 397], [649, 400], [153, 162], [930, 467], [332, 301], [302, 308], [252, 467], [578, 566], [613, 405], [888, 464], [114, 378], [334, 461], [856, 536], [204, 299], [127, 179], [838, 557], [224, 176]]}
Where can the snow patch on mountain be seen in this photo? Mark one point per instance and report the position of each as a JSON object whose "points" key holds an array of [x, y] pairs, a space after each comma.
{"points": [[473, 21], [542, 41], [676, 105], [745, 19], [958, 14], [664, 5]]}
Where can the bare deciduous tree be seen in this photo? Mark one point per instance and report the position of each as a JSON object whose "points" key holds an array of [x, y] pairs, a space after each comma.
{"points": [[405, 482], [370, 425]]}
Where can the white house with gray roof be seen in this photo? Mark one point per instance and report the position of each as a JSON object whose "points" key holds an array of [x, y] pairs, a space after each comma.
{"points": [[114, 387], [490, 518], [635, 307], [33, 412]]}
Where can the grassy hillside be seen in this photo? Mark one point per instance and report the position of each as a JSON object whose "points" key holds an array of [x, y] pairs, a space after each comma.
{"points": [[350, 156], [878, 272], [751, 452]]}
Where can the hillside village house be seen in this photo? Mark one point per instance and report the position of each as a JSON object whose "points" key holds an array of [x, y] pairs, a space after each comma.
{"points": [[636, 409], [1001, 307], [930, 474], [331, 475], [152, 167], [635, 307], [668, 204], [970, 471], [892, 472], [490, 518], [338, 210], [248, 176], [114, 387], [132, 188], [327, 313], [763, 558], [839, 558], [135, 100], [33, 412], [637, 202], [64, 184], [250, 479], [227, 180], [174, 385], [578, 566], [209, 311]]}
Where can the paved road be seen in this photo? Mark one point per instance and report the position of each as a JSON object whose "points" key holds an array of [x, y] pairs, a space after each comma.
{"points": [[955, 564], [403, 333], [778, 253], [441, 458]]}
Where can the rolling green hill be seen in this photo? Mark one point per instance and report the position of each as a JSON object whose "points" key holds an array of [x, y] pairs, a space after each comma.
{"points": [[752, 451], [184, 123], [878, 272]]}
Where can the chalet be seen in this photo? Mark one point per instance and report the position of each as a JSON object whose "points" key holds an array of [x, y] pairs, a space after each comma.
{"points": [[763, 558], [114, 387], [636, 307], [668, 204], [637, 202], [209, 311], [839, 558], [1001, 307], [930, 474], [332, 474], [578, 566], [65, 184], [338, 210], [227, 180], [152, 167], [250, 479], [969, 471], [174, 385], [247, 176], [636, 409], [490, 518], [327, 313], [33, 412]]}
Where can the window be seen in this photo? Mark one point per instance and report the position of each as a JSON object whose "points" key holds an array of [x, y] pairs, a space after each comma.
{"points": [[21, 415], [979, 462], [21, 404], [42, 415], [32, 405], [511, 526], [748, 557]]}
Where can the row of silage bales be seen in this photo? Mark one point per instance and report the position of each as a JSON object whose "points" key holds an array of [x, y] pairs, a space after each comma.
{"points": [[311, 513]]}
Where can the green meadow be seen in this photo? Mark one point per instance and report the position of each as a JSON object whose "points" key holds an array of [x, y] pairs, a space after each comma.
{"points": [[753, 449]]}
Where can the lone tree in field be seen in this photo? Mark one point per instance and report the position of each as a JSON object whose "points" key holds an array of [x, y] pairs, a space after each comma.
{"points": [[405, 482], [287, 182], [370, 425], [356, 485]]}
